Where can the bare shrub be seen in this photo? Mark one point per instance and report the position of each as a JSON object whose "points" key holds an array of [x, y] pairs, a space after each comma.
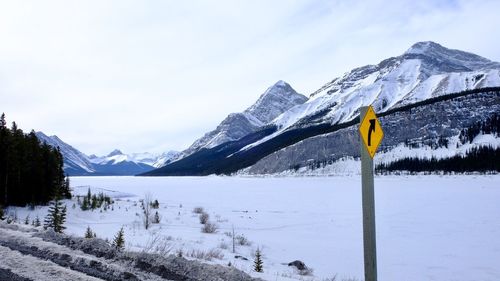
{"points": [[198, 210], [146, 207], [209, 227], [204, 218], [242, 240], [206, 255], [158, 244]]}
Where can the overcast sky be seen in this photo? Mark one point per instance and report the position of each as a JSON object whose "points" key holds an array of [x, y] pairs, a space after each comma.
{"points": [[156, 75]]}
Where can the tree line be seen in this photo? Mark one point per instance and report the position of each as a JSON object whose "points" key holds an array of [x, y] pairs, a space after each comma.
{"points": [[31, 172], [489, 126], [477, 159]]}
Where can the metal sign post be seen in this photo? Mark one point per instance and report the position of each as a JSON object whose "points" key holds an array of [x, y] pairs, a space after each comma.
{"points": [[371, 135]]}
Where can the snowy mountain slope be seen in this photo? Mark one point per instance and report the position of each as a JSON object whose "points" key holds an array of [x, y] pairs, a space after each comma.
{"points": [[421, 125], [426, 71], [274, 101], [151, 159], [165, 158], [75, 162]]}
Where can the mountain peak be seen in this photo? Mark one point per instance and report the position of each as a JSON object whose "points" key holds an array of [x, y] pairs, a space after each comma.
{"points": [[280, 83], [455, 60], [423, 47], [114, 153], [275, 100]]}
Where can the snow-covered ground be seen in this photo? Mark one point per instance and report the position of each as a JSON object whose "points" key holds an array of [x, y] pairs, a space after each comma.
{"points": [[428, 227]]}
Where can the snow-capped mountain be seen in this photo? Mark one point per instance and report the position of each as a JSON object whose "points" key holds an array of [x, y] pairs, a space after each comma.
{"points": [[75, 162], [116, 162], [274, 101], [165, 158], [427, 71], [150, 159]]}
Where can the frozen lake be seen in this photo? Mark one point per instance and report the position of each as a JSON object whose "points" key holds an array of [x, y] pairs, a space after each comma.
{"points": [[428, 227]]}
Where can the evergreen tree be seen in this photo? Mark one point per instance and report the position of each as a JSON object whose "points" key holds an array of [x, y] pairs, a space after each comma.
{"points": [[258, 264], [27, 219], [61, 220], [93, 204], [1, 212], [37, 222], [56, 216], [3, 123], [119, 241], [89, 233], [31, 173], [85, 204], [53, 213], [65, 192]]}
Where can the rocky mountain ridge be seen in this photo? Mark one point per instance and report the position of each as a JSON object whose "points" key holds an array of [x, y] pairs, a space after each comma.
{"points": [[277, 99], [426, 71]]}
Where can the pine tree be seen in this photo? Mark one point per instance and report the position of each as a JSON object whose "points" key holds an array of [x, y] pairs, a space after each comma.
{"points": [[93, 204], [66, 193], [61, 220], [30, 172], [37, 222], [27, 219], [85, 204], [258, 264], [56, 216], [119, 241], [1, 212], [89, 233]]}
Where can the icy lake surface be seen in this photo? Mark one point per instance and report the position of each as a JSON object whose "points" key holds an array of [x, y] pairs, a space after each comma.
{"points": [[428, 227]]}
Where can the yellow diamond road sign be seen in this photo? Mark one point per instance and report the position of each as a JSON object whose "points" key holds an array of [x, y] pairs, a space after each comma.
{"points": [[371, 132]]}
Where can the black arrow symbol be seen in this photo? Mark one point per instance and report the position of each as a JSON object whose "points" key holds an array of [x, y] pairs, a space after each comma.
{"points": [[370, 131]]}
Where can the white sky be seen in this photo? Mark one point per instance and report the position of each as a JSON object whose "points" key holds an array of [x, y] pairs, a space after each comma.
{"points": [[156, 75]]}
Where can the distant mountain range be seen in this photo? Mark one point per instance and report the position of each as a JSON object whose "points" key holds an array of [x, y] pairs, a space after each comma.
{"points": [[427, 71], [77, 163]]}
